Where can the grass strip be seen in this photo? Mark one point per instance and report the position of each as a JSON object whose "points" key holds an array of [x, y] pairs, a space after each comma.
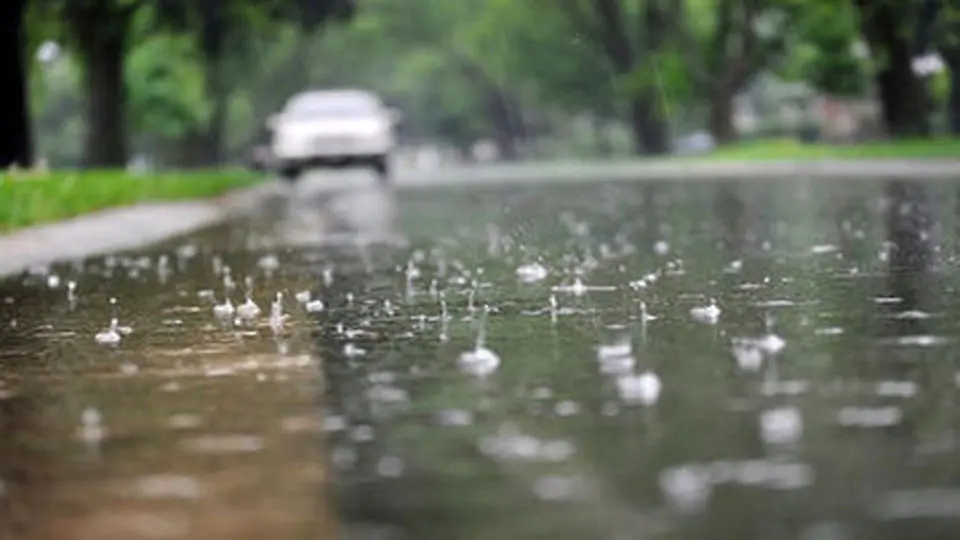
{"points": [[789, 149], [31, 198]]}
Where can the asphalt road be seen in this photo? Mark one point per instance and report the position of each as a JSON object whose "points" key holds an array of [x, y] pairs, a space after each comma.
{"points": [[381, 416], [627, 170], [130, 228]]}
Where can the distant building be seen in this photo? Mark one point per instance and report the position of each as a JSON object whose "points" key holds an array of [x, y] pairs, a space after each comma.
{"points": [[771, 107]]}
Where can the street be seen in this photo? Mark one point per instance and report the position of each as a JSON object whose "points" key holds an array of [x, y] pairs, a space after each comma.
{"points": [[737, 358]]}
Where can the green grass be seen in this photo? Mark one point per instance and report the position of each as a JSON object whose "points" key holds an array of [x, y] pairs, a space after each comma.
{"points": [[787, 149], [30, 198]]}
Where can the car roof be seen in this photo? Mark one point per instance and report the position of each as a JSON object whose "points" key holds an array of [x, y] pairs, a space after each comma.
{"points": [[335, 95]]}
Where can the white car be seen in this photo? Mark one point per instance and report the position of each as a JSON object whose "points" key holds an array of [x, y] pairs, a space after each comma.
{"points": [[333, 128]]}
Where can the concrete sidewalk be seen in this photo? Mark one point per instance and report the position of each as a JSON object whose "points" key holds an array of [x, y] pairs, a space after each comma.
{"points": [[119, 229]]}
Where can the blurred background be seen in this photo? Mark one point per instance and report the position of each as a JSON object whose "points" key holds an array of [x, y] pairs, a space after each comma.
{"points": [[190, 83]]}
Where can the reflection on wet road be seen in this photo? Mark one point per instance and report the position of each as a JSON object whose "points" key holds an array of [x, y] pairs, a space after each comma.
{"points": [[602, 360]]}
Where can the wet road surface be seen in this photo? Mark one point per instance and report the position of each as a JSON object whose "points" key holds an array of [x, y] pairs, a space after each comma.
{"points": [[714, 359]]}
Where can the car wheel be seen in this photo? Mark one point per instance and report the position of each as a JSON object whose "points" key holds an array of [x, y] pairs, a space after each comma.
{"points": [[382, 169], [290, 173]]}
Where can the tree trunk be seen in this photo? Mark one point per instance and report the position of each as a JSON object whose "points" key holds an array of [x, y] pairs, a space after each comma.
{"points": [[902, 99], [15, 137], [212, 36], [503, 120], [721, 117], [953, 100], [102, 40], [212, 138], [648, 126]]}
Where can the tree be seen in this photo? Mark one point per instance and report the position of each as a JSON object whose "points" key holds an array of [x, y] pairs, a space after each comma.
{"points": [[168, 99], [824, 46], [15, 139], [444, 36], [226, 30], [938, 28], [886, 25], [99, 32], [727, 44], [533, 45], [631, 34]]}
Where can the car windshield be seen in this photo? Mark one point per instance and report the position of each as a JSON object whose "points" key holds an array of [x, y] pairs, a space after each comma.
{"points": [[332, 107]]}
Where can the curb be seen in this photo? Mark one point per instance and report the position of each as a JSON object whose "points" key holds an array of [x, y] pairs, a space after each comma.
{"points": [[123, 228], [877, 169]]}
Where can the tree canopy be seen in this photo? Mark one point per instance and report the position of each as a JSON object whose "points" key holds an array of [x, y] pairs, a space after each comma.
{"points": [[189, 82]]}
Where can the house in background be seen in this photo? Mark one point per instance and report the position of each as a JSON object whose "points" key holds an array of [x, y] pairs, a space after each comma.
{"points": [[771, 107]]}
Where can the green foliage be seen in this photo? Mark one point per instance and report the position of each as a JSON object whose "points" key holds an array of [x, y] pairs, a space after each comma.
{"points": [[542, 48], [56, 103], [167, 96], [28, 199], [439, 60], [825, 48]]}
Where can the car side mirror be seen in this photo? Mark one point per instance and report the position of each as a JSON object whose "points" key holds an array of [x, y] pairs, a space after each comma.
{"points": [[272, 121]]}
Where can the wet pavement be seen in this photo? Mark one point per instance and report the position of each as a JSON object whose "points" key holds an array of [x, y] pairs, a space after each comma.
{"points": [[717, 359]]}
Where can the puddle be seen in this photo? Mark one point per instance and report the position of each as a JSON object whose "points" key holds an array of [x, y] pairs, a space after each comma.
{"points": [[605, 361]]}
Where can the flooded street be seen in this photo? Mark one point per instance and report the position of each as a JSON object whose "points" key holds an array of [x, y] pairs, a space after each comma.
{"points": [[677, 359]]}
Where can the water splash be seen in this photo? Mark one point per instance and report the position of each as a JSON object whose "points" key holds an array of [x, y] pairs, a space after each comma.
{"points": [[532, 272], [277, 316], [248, 310], [444, 319], [111, 336], [72, 294], [640, 389], [708, 314], [480, 361]]}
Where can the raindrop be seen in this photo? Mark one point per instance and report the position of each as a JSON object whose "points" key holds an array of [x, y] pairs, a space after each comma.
{"points": [[314, 306], [362, 434], [390, 466], [350, 350], [566, 408], [902, 389], [111, 336], [532, 273], [334, 423], [686, 489], [343, 457], [870, 417], [455, 417], [639, 389], [91, 426], [709, 314], [781, 426], [72, 294], [557, 487], [269, 263], [748, 354], [248, 310], [277, 317], [480, 361], [224, 310]]}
